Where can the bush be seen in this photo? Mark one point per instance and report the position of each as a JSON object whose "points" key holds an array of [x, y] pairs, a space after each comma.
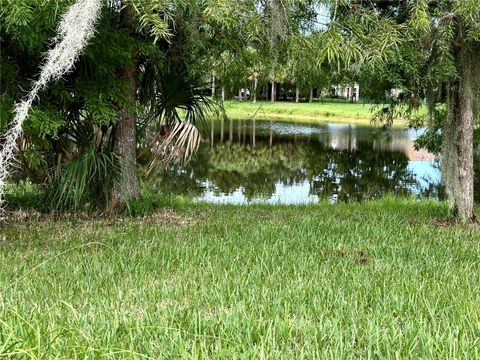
{"points": [[25, 195]]}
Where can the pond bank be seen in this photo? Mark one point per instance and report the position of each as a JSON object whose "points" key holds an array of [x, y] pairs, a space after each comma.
{"points": [[317, 112], [388, 277]]}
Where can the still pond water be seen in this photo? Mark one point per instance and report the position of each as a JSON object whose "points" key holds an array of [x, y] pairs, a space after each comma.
{"points": [[243, 162]]}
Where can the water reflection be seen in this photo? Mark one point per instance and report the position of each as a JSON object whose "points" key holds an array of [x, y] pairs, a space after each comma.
{"points": [[275, 162]]}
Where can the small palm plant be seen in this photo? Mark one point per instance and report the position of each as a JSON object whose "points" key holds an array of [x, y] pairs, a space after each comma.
{"points": [[85, 167]]}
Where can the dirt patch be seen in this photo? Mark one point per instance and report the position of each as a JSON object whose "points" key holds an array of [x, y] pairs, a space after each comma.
{"points": [[443, 223], [160, 217], [454, 224], [164, 216]]}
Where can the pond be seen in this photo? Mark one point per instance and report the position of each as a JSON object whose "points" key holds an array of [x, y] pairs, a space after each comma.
{"points": [[244, 162]]}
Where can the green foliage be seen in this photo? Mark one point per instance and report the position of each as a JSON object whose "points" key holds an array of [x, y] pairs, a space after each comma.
{"points": [[30, 24], [151, 201], [25, 195], [6, 108], [175, 96], [102, 111], [432, 139], [409, 46], [85, 180], [93, 90], [61, 146], [44, 123], [153, 17]]}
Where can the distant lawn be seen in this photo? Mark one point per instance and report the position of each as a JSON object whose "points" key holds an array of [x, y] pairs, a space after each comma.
{"points": [[320, 112], [386, 279]]}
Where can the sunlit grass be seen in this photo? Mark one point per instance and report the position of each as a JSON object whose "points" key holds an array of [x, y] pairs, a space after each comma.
{"points": [[317, 112], [384, 279]]}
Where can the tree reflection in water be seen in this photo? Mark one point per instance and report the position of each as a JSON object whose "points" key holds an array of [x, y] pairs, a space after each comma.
{"points": [[311, 163]]}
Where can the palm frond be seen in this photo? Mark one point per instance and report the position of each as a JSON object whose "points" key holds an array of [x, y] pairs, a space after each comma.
{"points": [[174, 95], [174, 143], [177, 103]]}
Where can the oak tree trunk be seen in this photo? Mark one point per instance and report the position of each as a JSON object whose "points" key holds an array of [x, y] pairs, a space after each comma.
{"points": [[310, 100], [457, 151]]}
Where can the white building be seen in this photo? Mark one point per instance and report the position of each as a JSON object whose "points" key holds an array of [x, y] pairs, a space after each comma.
{"points": [[348, 92]]}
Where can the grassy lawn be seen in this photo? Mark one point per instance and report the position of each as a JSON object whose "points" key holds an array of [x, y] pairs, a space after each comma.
{"points": [[385, 279], [356, 113]]}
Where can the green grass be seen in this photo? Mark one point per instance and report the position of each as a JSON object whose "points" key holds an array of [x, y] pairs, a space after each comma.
{"points": [[317, 112], [380, 280]]}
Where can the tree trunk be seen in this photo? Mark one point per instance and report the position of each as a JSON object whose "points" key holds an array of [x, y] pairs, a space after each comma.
{"points": [[310, 100], [297, 94], [124, 140], [223, 94], [255, 84], [213, 85], [457, 157], [240, 95], [274, 91], [125, 145]]}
